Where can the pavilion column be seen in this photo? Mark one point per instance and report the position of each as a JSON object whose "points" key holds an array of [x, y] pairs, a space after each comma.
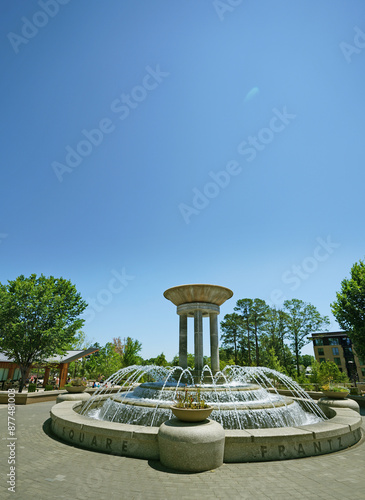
{"points": [[12, 370], [198, 340], [183, 341], [63, 374], [46, 376], [214, 343]]}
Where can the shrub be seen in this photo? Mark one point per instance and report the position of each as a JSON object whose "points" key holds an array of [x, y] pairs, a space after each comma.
{"points": [[190, 400], [334, 388], [354, 391], [77, 382], [327, 372]]}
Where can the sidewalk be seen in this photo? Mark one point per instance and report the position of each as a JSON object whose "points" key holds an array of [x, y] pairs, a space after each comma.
{"points": [[49, 469]]}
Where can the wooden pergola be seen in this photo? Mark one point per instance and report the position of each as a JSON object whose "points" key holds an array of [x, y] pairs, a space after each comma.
{"points": [[59, 363]]}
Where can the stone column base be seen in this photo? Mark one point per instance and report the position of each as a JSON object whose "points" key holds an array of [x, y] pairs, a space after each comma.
{"points": [[191, 447]]}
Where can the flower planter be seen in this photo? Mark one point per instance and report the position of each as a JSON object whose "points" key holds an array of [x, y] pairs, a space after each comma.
{"points": [[335, 394], [75, 388], [191, 414]]}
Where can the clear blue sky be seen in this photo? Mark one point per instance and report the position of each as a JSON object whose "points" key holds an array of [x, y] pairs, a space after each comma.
{"points": [[118, 119]]}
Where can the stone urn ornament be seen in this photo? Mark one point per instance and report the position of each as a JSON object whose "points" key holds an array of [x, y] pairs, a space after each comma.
{"points": [[75, 388], [76, 385], [335, 392], [190, 407], [192, 414]]}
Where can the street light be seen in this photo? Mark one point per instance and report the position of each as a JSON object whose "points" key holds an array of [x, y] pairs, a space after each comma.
{"points": [[353, 372]]}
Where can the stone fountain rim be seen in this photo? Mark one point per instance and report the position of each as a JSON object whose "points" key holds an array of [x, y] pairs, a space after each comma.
{"points": [[252, 445]]}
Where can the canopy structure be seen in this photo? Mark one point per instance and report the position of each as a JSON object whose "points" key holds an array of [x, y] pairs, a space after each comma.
{"points": [[10, 370]]}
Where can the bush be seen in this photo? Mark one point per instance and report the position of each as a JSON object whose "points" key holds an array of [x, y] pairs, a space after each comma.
{"points": [[308, 387], [334, 388], [327, 372], [49, 387], [76, 382], [302, 379], [355, 391], [32, 387]]}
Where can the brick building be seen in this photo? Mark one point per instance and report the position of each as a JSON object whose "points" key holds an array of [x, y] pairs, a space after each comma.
{"points": [[337, 347]]}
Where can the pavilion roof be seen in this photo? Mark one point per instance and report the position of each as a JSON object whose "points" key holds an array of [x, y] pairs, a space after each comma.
{"points": [[68, 357]]}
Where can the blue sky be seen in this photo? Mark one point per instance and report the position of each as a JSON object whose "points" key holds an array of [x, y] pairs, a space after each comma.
{"points": [[151, 144]]}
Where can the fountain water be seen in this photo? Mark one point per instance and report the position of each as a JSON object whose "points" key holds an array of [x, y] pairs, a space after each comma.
{"points": [[242, 397]]}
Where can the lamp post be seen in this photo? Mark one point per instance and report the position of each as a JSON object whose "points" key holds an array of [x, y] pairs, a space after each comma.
{"points": [[353, 372]]}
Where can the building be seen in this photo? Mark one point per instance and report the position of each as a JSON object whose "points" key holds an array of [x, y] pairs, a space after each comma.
{"points": [[337, 347]]}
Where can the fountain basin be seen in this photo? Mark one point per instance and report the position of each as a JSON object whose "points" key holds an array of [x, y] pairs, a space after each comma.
{"points": [[274, 411], [343, 429]]}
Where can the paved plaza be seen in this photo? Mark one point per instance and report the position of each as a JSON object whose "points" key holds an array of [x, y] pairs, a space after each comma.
{"points": [[49, 469]]}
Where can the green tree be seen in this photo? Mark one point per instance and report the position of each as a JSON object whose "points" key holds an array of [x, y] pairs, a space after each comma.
{"points": [[225, 358], [160, 360], [231, 327], [253, 313], [276, 333], [349, 308], [191, 360], [244, 306], [79, 342], [273, 361], [128, 350], [39, 318], [301, 320], [327, 372], [306, 360], [259, 313], [105, 362]]}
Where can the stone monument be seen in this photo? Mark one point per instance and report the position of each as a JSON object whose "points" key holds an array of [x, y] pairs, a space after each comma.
{"points": [[197, 301]]}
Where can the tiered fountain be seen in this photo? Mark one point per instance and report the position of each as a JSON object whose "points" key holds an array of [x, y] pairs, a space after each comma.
{"points": [[241, 397], [259, 424]]}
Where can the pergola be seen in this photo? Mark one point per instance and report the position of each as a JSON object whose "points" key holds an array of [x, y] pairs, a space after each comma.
{"points": [[59, 363]]}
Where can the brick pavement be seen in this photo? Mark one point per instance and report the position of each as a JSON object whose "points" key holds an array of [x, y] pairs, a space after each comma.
{"points": [[49, 469]]}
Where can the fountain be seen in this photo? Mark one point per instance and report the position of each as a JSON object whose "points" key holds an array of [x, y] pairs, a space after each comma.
{"points": [[259, 423], [241, 397]]}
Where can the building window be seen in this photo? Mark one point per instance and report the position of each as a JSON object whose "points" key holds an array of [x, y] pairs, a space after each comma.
{"points": [[320, 351], [322, 360], [318, 341], [333, 341], [335, 351], [337, 361]]}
